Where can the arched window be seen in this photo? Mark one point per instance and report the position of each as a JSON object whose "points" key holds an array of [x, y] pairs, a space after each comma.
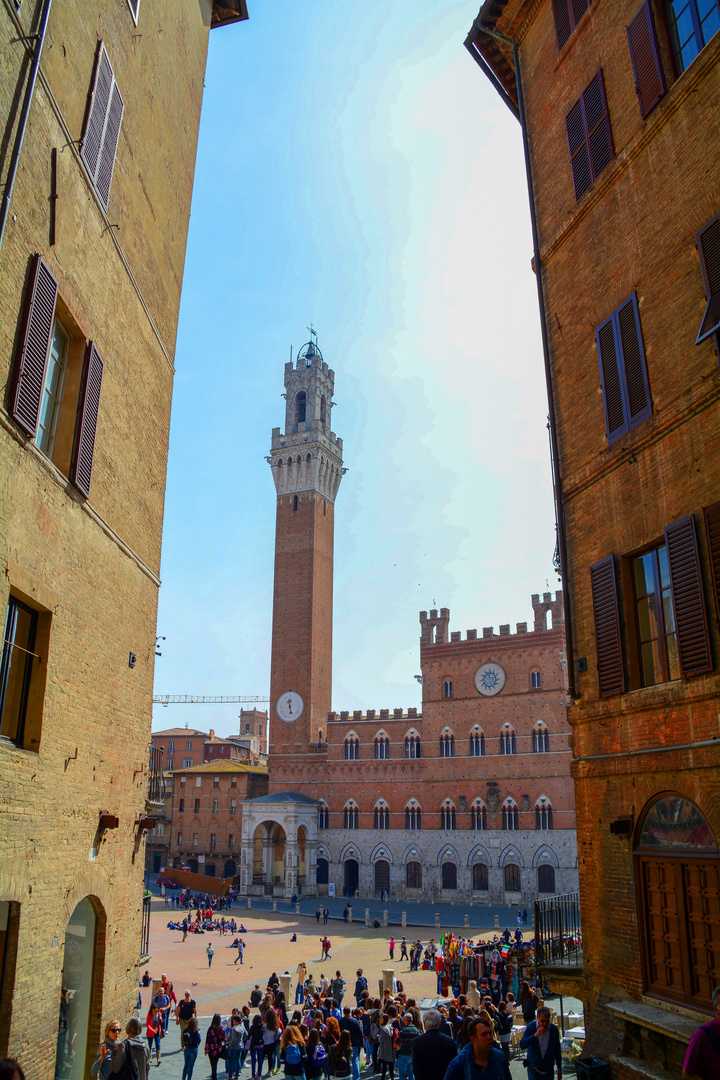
{"points": [[381, 815], [300, 407], [512, 878], [678, 872], [413, 875], [295, 503], [323, 409], [449, 875], [510, 815], [541, 739], [477, 742], [543, 814], [82, 975], [546, 878], [324, 816], [447, 745], [323, 871], [480, 877], [352, 748], [447, 688], [382, 746], [352, 816], [413, 816], [447, 816], [507, 740], [479, 815], [412, 744], [535, 680]]}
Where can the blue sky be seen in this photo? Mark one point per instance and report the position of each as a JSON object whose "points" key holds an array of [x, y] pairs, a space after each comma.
{"points": [[355, 170]]}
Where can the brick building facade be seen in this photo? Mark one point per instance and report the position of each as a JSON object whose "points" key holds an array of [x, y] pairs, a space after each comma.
{"points": [[99, 111], [471, 798], [619, 108]]}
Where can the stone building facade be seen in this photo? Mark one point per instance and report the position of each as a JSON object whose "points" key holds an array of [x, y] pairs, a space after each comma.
{"points": [[619, 106], [99, 111], [470, 798]]}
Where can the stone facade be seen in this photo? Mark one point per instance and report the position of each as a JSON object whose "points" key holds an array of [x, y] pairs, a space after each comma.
{"points": [[638, 462], [81, 510]]}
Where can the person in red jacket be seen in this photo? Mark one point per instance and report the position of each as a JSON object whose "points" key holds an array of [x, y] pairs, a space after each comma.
{"points": [[154, 1030]]}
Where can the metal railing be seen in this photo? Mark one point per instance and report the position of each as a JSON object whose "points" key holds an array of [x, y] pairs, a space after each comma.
{"points": [[156, 784], [145, 928], [558, 931]]}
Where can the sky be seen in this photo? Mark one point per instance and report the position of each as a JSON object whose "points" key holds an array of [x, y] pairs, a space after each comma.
{"points": [[356, 171]]}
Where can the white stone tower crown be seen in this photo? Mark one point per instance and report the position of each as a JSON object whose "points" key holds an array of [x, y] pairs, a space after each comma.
{"points": [[308, 456]]}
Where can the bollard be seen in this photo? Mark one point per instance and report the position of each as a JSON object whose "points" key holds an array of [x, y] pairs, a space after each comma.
{"points": [[384, 918], [388, 977], [437, 921], [467, 920], [497, 922], [297, 908], [403, 920], [367, 916], [248, 903], [274, 905]]}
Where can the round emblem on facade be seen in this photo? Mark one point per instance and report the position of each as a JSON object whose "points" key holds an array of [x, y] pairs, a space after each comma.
{"points": [[289, 706], [489, 679]]}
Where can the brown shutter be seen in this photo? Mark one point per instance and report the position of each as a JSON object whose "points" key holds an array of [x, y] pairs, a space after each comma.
{"points": [[579, 152], [608, 642], [688, 599], [645, 56], [95, 126], [610, 377], [708, 245], [597, 119], [563, 22], [109, 146], [81, 472], [636, 381], [712, 533], [29, 378]]}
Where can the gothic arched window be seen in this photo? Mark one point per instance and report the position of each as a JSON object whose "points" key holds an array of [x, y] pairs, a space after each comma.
{"points": [[479, 815], [382, 816], [323, 816], [510, 815], [543, 814], [447, 745], [413, 817], [507, 741], [300, 407], [352, 816], [477, 743], [447, 817]]}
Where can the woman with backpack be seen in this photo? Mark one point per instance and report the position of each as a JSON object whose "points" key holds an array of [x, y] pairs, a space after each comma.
{"points": [[234, 1041], [340, 1057], [256, 1046], [214, 1043], [292, 1051], [316, 1055], [190, 1042], [131, 1057]]}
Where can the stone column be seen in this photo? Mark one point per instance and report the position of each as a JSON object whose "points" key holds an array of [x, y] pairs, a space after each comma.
{"points": [[290, 867]]}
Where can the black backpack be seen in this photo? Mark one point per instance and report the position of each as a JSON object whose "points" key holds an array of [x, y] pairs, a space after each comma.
{"points": [[129, 1070]]}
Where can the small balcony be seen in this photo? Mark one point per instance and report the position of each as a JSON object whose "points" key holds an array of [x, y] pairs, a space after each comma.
{"points": [[155, 798], [558, 942]]}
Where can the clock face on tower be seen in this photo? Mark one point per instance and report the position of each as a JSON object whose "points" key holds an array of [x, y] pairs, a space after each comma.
{"points": [[490, 679], [289, 706]]}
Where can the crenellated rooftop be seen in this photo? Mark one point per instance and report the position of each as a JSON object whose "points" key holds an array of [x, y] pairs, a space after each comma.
{"points": [[434, 626]]}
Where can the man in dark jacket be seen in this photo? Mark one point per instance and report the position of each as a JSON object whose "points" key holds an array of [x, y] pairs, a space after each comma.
{"points": [[479, 1060], [354, 1027], [541, 1042], [432, 1052], [408, 1034]]}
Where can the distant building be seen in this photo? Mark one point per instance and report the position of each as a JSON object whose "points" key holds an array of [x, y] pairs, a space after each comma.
{"points": [[99, 113], [619, 104]]}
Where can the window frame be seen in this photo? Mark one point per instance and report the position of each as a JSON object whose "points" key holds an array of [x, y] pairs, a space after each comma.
{"points": [[9, 645], [484, 884], [587, 150], [517, 877], [680, 65], [621, 368], [711, 280]]}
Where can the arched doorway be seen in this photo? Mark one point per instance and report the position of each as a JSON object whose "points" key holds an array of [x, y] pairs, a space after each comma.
{"points": [[81, 975], [449, 875], [230, 868], [323, 872], [351, 874], [677, 890], [177, 862], [382, 875], [193, 864]]}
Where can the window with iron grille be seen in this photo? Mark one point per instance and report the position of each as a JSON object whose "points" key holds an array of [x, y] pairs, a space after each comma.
{"points": [[623, 372], [692, 24], [589, 136]]}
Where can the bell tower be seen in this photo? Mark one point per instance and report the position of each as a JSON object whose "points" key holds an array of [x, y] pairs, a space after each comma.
{"points": [[306, 463]]}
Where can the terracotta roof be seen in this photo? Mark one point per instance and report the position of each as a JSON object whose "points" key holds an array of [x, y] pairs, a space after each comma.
{"points": [[223, 765], [178, 732]]}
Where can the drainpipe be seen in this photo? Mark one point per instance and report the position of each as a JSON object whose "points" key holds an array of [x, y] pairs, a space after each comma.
{"points": [[554, 455], [22, 127]]}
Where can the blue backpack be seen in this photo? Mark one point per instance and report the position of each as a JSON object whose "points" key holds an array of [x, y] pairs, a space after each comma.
{"points": [[319, 1054], [293, 1056]]}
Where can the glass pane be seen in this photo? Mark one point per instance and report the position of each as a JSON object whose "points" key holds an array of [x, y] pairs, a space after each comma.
{"points": [[20, 631], [76, 993], [709, 18], [647, 618], [672, 656], [644, 575], [668, 612], [650, 662], [674, 822], [664, 567]]}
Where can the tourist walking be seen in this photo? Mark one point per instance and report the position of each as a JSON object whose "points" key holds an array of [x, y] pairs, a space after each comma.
{"points": [[190, 1042], [541, 1043], [210, 953], [241, 950], [257, 1046], [392, 948], [154, 1030], [234, 1041], [135, 1047], [214, 1042], [186, 1010]]}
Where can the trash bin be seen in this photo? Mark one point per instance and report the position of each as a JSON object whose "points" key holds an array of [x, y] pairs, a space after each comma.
{"points": [[592, 1068]]}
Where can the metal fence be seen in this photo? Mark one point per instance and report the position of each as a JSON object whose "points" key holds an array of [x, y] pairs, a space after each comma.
{"points": [[558, 930]]}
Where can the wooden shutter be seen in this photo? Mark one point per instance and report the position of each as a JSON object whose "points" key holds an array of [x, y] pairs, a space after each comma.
{"points": [[608, 642], [31, 365], [81, 472], [688, 598], [645, 56], [712, 533], [567, 14], [708, 245], [102, 129], [589, 136], [633, 358], [615, 420]]}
